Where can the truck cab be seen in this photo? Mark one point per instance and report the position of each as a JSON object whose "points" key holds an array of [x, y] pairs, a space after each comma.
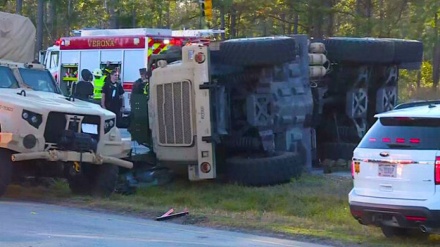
{"points": [[180, 112], [50, 58]]}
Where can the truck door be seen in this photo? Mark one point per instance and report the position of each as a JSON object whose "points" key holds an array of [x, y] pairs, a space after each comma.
{"points": [[51, 60], [67, 71], [133, 61], [42, 57]]}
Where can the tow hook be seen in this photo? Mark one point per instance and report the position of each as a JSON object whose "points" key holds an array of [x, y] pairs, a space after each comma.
{"points": [[76, 168]]}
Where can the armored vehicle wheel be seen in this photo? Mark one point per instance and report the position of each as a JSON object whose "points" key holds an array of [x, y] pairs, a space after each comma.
{"points": [[5, 170], [95, 180], [79, 184], [105, 180], [359, 50], [263, 171], [258, 51]]}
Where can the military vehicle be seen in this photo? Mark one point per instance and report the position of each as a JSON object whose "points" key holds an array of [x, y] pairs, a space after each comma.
{"points": [[260, 111], [44, 133]]}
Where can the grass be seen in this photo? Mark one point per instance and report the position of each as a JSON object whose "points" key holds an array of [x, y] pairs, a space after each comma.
{"points": [[312, 208]]}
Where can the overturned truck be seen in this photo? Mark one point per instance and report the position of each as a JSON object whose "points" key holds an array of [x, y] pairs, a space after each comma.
{"points": [[260, 111]]}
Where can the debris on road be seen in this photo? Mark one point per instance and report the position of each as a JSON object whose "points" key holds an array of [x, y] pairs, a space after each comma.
{"points": [[169, 215]]}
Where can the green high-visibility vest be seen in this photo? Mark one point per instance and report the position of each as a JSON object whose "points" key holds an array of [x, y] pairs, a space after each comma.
{"points": [[97, 88], [147, 88]]}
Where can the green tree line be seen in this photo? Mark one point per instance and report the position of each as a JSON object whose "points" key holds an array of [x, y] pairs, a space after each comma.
{"points": [[406, 19]]}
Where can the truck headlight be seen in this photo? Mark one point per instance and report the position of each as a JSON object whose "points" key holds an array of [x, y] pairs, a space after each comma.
{"points": [[33, 118], [109, 124]]}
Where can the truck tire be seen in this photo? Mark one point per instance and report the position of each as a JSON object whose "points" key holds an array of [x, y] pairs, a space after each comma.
{"points": [[5, 170], [95, 180], [258, 51], [347, 134], [105, 181], [335, 150], [407, 51], [263, 171], [79, 184], [359, 50]]}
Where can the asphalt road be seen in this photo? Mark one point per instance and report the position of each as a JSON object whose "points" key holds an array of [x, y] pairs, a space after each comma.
{"points": [[33, 225]]}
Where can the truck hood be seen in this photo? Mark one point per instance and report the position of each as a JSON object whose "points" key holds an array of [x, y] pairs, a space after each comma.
{"points": [[46, 101]]}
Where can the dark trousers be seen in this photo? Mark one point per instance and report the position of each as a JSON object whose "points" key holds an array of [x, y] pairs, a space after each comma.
{"points": [[118, 113]]}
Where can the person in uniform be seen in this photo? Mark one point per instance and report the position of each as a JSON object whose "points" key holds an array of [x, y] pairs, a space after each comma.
{"points": [[138, 119], [142, 84], [112, 96], [83, 89]]}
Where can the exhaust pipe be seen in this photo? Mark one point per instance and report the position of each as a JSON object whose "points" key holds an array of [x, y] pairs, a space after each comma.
{"points": [[425, 229]]}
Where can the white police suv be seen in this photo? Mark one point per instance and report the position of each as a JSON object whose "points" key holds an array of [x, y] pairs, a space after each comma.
{"points": [[396, 172]]}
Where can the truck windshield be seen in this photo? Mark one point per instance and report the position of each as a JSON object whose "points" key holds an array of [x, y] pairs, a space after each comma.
{"points": [[7, 79], [39, 80]]}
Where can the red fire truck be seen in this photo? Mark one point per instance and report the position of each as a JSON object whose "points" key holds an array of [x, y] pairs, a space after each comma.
{"points": [[126, 50]]}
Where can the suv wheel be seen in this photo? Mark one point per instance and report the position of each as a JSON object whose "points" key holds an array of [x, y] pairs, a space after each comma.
{"points": [[391, 231]]}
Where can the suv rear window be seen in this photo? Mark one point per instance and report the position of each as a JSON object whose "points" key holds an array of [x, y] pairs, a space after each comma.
{"points": [[403, 133]]}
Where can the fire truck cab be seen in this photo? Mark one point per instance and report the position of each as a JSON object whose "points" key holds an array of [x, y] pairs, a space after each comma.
{"points": [[126, 50]]}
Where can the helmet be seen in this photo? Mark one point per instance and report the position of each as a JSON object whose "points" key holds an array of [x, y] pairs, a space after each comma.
{"points": [[97, 72], [108, 71]]}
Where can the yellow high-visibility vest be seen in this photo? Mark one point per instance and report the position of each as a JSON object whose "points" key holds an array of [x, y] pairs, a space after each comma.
{"points": [[97, 89], [146, 88]]}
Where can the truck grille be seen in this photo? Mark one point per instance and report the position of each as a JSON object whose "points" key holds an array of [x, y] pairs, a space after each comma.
{"points": [[174, 113], [56, 124]]}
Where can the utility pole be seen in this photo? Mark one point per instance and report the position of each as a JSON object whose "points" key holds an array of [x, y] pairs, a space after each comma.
{"points": [[201, 14]]}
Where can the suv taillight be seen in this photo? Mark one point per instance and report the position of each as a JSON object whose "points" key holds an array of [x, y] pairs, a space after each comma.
{"points": [[437, 170], [352, 168]]}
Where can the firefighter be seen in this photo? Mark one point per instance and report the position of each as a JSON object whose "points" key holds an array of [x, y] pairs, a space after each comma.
{"points": [[98, 83]]}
